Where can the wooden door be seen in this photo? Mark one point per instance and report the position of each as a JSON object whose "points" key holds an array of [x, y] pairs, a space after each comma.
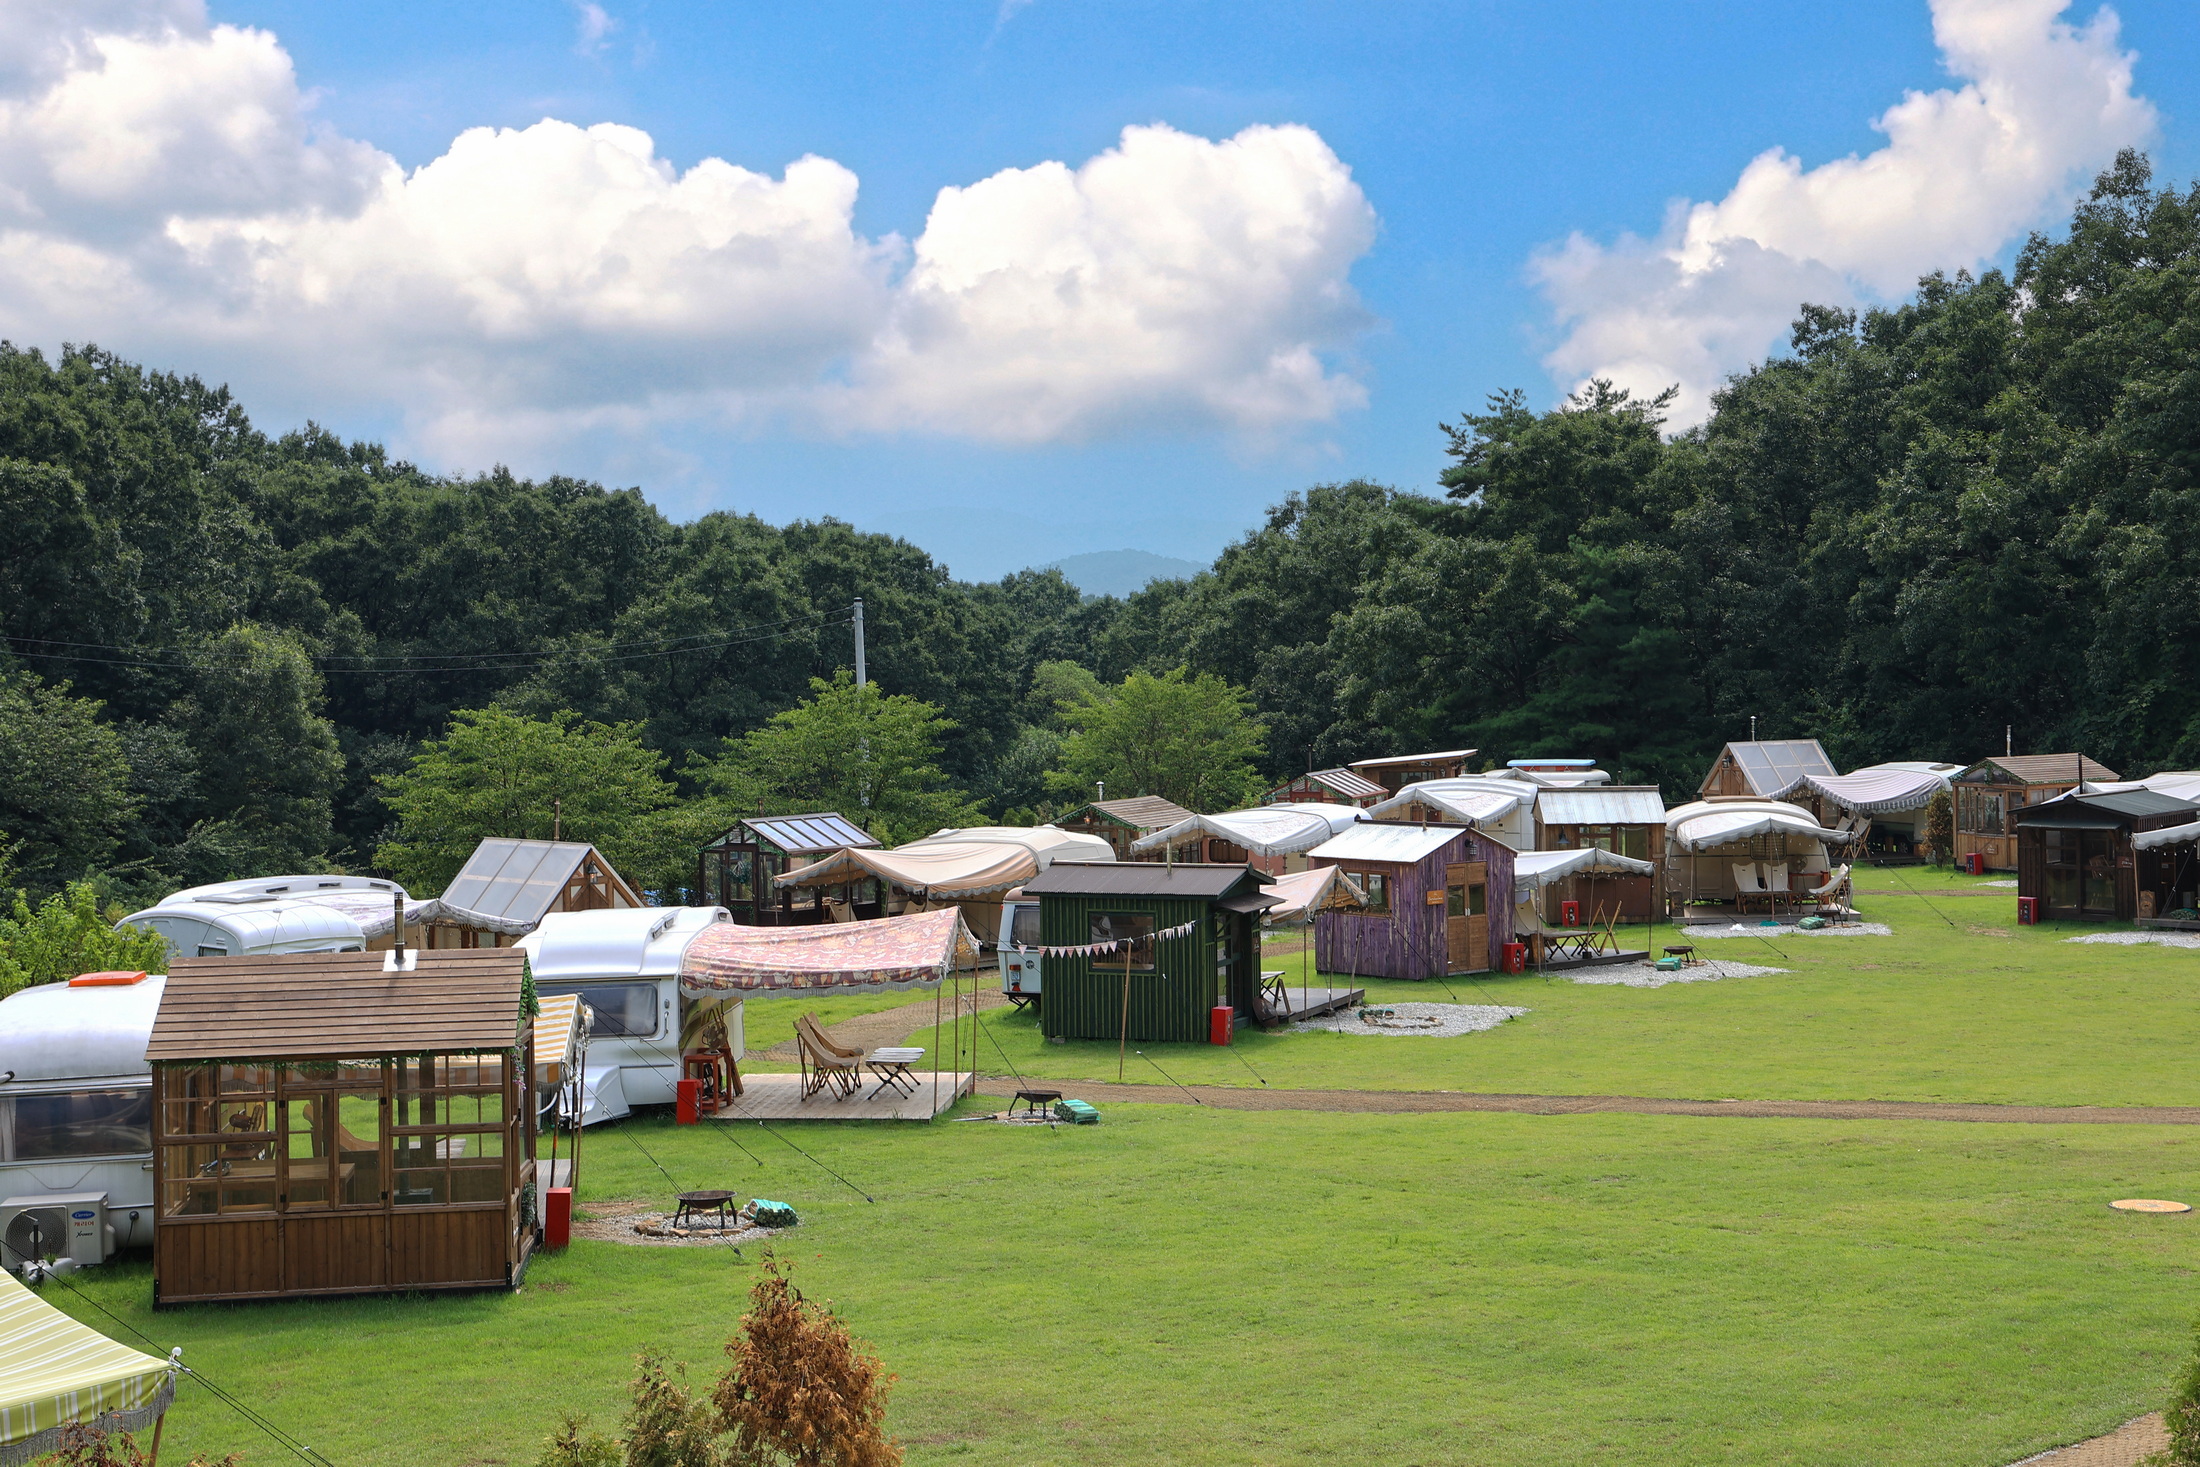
{"points": [[1467, 917]]}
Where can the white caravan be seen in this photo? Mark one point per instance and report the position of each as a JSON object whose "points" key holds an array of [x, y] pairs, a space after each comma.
{"points": [[624, 962], [268, 914], [76, 1115]]}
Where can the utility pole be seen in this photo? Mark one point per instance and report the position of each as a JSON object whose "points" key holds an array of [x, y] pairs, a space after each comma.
{"points": [[860, 678], [863, 742]]}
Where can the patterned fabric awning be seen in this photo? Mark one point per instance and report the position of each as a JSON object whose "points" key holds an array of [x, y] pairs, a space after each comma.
{"points": [[890, 953], [54, 1371]]}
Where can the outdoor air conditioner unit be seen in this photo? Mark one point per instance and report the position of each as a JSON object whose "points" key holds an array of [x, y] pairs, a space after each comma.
{"points": [[70, 1225]]}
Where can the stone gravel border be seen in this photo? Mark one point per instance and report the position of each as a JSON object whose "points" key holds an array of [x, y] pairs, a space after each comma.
{"points": [[2164, 939], [1452, 1020], [1789, 929], [1646, 975]]}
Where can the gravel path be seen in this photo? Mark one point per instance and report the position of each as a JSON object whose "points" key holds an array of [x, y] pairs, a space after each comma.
{"points": [[1789, 929], [2127, 1446], [1646, 975], [1411, 1102], [2165, 939], [2011, 884], [1445, 1020]]}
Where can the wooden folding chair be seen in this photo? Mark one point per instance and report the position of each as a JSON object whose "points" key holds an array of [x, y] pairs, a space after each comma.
{"points": [[824, 1062]]}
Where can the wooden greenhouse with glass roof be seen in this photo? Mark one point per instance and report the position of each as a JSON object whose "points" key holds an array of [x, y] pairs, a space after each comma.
{"points": [[342, 1123]]}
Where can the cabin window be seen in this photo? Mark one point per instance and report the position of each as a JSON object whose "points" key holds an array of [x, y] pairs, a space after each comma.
{"points": [[621, 1008], [1117, 926], [80, 1123], [1982, 812], [1377, 886]]}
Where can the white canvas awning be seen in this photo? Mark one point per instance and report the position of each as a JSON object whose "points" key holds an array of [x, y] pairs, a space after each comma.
{"points": [[1473, 798], [1704, 824], [1534, 870], [1305, 893], [1877, 791], [2175, 835], [1271, 830]]}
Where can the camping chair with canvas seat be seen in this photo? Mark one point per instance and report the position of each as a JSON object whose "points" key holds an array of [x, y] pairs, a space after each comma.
{"points": [[1831, 898], [1776, 886], [1749, 885], [824, 1062]]}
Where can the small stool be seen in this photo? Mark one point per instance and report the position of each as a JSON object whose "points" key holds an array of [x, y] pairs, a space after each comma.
{"points": [[718, 1204], [1035, 1102], [718, 1077], [890, 1067], [1686, 952]]}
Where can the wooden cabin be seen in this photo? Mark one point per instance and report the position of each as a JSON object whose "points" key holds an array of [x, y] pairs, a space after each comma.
{"points": [[1328, 787], [1175, 982], [739, 870], [507, 886], [2075, 855], [1990, 792], [1627, 820], [1119, 822], [1764, 768], [1395, 771], [1439, 900], [330, 1123]]}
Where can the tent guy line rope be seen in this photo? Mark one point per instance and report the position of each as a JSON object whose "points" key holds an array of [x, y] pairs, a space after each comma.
{"points": [[813, 1161], [1173, 1080]]}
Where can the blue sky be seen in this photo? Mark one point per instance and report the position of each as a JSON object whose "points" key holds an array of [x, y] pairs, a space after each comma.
{"points": [[1480, 137]]}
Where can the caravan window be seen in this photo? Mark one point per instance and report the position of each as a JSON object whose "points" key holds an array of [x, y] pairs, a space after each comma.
{"points": [[82, 1123], [1023, 928], [621, 1008]]}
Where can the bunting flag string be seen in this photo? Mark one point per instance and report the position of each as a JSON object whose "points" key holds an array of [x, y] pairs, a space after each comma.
{"points": [[1102, 949]]}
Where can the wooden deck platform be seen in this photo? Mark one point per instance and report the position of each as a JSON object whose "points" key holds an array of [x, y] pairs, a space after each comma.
{"points": [[1595, 960], [1307, 1001], [778, 1097]]}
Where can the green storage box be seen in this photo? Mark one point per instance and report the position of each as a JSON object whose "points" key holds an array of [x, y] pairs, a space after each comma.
{"points": [[1076, 1112]]}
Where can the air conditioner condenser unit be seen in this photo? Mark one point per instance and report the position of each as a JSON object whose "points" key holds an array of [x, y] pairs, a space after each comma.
{"points": [[57, 1225]]}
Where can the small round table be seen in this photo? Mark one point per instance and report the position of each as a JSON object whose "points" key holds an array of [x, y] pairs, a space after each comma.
{"points": [[717, 1204]]}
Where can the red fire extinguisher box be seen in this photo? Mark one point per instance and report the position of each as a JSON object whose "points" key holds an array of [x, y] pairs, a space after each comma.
{"points": [[2028, 910], [1569, 914], [1514, 957], [1221, 1019], [686, 1107], [1975, 863]]}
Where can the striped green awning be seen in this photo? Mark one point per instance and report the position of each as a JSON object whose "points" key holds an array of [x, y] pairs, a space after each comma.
{"points": [[54, 1371]]}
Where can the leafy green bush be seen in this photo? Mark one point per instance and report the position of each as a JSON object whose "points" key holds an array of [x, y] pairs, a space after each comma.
{"points": [[67, 934]]}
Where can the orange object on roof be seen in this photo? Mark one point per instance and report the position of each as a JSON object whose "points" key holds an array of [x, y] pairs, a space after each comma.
{"points": [[112, 978]]}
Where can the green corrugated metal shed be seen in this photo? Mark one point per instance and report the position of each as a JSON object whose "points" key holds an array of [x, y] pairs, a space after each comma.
{"points": [[1218, 962]]}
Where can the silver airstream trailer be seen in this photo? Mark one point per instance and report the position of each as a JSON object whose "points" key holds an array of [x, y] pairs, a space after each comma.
{"points": [[76, 1144], [269, 914]]}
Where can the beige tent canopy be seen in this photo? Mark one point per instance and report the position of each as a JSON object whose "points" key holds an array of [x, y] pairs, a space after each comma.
{"points": [[970, 867], [1270, 830], [1304, 893]]}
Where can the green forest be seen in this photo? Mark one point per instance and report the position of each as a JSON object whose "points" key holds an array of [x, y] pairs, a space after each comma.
{"points": [[228, 653]]}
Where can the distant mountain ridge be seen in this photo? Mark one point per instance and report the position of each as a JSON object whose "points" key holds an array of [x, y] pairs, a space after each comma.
{"points": [[1121, 572]]}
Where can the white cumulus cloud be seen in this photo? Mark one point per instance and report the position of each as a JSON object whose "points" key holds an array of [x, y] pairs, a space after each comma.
{"points": [[2043, 104], [166, 191]]}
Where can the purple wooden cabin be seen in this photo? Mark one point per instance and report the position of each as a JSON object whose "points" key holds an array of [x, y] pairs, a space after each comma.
{"points": [[1440, 900]]}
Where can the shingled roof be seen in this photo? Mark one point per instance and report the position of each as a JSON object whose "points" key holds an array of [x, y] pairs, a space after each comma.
{"points": [[338, 1005]]}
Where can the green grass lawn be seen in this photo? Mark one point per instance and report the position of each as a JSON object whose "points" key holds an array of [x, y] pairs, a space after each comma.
{"points": [[1960, 1004], [1189, 1285], [1179, 1285]]}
